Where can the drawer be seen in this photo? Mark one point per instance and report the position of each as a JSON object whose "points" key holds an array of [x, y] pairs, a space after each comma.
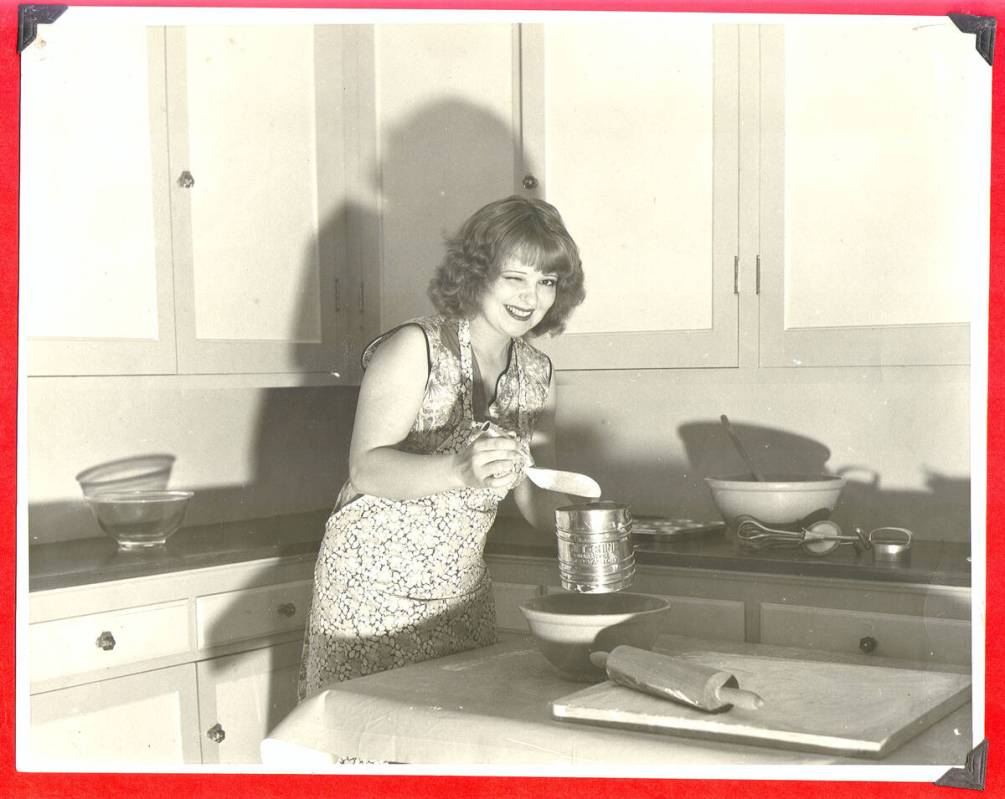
{"points": [[508, 598], [80, 644], [895, 635], [251, 613], [695, 617]]}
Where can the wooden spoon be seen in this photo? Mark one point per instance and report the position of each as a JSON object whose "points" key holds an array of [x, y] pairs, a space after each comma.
{"points": [[739, 448]]}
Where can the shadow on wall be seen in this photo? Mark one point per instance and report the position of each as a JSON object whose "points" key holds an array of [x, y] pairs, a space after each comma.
{"points": [[674, 486], [439, 156], [941, 513]]}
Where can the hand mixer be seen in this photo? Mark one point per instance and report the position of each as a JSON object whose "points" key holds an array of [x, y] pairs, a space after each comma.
{"points": [[819, 538]]}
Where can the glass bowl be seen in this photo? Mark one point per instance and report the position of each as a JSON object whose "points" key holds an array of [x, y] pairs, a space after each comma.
{"points": [[127, 474], [140, 519]]}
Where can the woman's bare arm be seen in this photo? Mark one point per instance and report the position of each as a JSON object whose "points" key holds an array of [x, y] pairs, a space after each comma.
{"points": [[389, 399]]}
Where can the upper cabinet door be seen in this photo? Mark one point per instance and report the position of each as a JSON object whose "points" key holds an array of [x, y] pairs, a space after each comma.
{"points": [[630, 130], [875, 142], [95, 238], [445, 102], [257, 185]]}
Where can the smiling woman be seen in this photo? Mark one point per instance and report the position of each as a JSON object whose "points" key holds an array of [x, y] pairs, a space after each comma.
{"points": [[452, 409]]}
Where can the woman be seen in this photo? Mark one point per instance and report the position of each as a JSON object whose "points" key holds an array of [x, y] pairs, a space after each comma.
{"points": [[451, 408]]}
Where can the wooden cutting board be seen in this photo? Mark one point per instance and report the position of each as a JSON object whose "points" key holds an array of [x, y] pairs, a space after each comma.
{"points": [[863, 711]]}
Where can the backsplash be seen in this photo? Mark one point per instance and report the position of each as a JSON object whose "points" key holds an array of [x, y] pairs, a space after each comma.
{"points": [[246, 452], [899, 435]]}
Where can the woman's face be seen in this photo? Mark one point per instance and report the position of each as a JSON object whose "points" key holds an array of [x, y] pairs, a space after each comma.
{"points": [[516, 302]]}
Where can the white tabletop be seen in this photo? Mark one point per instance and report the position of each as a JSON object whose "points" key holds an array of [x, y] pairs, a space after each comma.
{"points": [[491, 706]]}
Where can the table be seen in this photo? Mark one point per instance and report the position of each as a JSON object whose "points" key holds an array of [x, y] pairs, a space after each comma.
{"points": [[491, 706]]}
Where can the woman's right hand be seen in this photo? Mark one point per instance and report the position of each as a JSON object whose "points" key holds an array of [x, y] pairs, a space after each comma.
{"points": [[490, 461]]}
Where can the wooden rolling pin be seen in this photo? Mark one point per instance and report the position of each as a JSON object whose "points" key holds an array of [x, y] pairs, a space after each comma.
{"points": [[672, 678]]}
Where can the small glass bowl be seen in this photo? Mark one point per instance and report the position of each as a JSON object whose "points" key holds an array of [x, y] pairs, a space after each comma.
{"points": [[140, 519]]}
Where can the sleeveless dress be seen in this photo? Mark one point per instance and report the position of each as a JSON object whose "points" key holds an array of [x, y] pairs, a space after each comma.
{"points": [[400, 581]]}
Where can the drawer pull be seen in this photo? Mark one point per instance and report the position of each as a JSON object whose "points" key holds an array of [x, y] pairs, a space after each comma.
{"points": [[868, 644], [216, 733], [105, 641], [288, 609]]}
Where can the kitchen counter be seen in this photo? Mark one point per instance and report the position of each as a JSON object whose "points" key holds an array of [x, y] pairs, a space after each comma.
{"points": [[491, 706], [92, 560], [930, 562]]}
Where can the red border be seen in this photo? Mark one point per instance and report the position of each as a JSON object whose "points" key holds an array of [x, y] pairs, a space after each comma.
{"points": [[50, 786]]}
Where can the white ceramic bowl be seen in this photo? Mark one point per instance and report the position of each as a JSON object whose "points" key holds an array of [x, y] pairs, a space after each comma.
{"points": [[569, 626], [140, 519], [778, 499]]}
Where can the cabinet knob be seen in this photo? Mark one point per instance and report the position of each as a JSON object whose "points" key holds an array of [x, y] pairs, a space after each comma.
{"points": [[185, 180], [105, 641], [529, 182], [216, 733], [288, 609], [868, 644]]}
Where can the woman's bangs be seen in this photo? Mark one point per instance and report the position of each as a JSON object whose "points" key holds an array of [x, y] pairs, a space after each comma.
{"points": [[546, 254]]}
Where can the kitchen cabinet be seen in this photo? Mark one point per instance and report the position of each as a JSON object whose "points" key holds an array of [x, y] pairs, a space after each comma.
{"points": [[508, 599], [761, 205], [149, 718], [242, 697], [874, 201], [95, 232], [98, 642], [213, 183], [631, 131], [926, 624], [184, 667], [256, 129], [886, 634], [448, 103]]}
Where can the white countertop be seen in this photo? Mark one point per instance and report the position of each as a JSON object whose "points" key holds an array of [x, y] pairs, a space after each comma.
{"points": [[491, 706]]}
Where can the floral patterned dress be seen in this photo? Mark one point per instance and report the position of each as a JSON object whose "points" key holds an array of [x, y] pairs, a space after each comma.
{"points": [[399, 581]]}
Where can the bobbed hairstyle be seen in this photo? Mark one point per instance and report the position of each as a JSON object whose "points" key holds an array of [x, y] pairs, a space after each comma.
{"points": [[522, 227]]}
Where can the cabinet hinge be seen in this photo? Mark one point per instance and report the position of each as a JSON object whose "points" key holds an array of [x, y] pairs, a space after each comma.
{"points": [[757, 281], [362, 297], [736, 274], [338, 295]]}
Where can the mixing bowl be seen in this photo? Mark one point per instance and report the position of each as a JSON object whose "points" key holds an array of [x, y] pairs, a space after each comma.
{"points": [[142, 518], [569, 626], [778, 499]]}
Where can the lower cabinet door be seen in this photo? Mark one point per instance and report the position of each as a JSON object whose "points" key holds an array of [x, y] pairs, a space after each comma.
{"points": [[142, 719], [242, 697], [508, 599]]}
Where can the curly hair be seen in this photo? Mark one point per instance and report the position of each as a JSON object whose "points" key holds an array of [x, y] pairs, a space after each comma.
{"points": [[522, 227]]}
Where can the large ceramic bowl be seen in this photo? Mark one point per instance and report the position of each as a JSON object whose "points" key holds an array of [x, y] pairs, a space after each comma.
{"points": [[140, 519], [569, 626], [778, 499]]}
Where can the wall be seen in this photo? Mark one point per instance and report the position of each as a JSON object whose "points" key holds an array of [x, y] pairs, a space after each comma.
{"points": [[246, 452], [900, 436]]}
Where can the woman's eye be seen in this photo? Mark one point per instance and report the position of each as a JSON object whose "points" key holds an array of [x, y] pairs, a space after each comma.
{"points": [[550, 282]]}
